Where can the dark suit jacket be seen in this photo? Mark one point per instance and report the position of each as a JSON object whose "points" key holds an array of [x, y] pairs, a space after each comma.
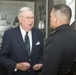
{"points": [[14, 51], [59, 50], [3, 70]]}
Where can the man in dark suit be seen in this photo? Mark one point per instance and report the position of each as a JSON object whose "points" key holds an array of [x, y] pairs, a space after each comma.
{"points": [[60, 46], [18, 57]]}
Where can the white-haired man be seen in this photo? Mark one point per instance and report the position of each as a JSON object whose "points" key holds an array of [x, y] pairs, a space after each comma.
{"points": [[22, 47]]}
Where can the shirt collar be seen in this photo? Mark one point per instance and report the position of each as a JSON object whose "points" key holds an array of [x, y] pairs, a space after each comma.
{"points": [[24, 32]]}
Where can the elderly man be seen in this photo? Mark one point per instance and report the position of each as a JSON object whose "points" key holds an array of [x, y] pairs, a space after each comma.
{"points": [[22, 47]]}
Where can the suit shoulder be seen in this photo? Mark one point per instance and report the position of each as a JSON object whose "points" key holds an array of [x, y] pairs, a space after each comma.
{"points": [[38, 32], [11, 30], [64, 35]]}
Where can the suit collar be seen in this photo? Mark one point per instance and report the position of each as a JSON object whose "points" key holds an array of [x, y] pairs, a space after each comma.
{"points": [[21, 42], [61, 27], [34, 39]]}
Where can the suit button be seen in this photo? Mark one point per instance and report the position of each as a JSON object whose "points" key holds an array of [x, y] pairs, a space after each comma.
{"points": [[29, 59]]}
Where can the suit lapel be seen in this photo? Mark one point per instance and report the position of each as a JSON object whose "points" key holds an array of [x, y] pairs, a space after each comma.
{"points": [[33, 41], [20, 39]]}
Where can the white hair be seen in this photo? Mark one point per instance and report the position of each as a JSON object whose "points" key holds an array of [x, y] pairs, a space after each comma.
{"points": [[23, 9]]}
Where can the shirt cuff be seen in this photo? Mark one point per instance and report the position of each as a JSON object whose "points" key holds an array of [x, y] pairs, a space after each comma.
{"points": [[15, 69]]}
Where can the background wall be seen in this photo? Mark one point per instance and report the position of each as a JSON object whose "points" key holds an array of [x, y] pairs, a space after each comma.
{"points": [[8, 14]]}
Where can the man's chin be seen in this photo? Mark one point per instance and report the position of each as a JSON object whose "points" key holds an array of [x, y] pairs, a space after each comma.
{"points": [[30, 28]]}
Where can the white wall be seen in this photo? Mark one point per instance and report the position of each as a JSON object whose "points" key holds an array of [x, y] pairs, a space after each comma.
{"points": [[71, 4]]}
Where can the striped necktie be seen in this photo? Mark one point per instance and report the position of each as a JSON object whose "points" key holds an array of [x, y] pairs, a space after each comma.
{"points": [[27, 42]]}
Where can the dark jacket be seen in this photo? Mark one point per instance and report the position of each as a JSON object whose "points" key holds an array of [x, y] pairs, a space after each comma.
{"points": [[3, 70], [59, 50], [14, 51]]}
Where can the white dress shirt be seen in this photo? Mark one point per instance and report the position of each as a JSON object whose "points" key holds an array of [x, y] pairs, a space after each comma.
{"points": [[23, 32]]}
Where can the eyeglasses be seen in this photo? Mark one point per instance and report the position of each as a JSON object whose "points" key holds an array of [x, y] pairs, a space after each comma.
{"points": [[32, 18]]}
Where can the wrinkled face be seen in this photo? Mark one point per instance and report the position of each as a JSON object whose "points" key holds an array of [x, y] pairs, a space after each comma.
{"points": [[53, 20], [27, 20]]}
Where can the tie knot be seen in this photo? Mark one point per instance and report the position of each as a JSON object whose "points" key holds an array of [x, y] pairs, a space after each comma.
{"points": [[26, 33]]}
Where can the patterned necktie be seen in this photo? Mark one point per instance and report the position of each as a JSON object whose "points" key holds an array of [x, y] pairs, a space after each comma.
{"points": [[27, 42]]}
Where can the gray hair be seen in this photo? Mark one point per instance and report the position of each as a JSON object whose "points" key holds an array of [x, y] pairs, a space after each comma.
{"points": [[63, 12], [23, 9]]}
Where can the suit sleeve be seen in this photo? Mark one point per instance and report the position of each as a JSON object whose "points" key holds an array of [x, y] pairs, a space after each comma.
{"points": [[52, 57], [5, 53]]}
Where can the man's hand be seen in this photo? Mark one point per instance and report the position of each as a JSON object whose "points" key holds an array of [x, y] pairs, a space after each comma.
{"points": [[23, 66], [37, 67]]}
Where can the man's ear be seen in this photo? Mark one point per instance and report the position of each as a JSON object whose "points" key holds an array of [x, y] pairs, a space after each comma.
{"points": [[19, 18], [55, 20]]}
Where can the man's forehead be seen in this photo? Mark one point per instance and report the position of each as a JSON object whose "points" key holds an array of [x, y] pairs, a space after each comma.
{"points": [[28, 12]]}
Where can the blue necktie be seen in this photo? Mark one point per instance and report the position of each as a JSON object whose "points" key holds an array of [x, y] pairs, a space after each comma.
{"points": [[27, 42]]}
